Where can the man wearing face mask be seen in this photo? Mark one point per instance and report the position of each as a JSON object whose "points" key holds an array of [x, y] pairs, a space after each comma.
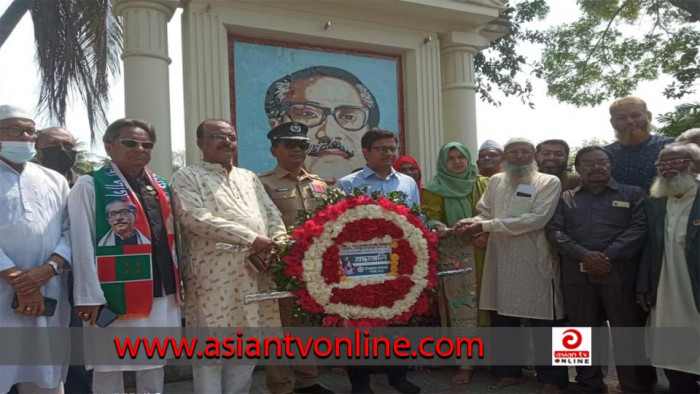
{"points": [[56, 149], [34, 248]]}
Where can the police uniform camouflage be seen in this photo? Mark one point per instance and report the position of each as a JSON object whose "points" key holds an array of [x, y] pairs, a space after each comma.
{"points": [[290, 195]]}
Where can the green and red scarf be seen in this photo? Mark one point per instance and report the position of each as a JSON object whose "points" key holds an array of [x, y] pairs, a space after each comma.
{"points": [[125, 271]]}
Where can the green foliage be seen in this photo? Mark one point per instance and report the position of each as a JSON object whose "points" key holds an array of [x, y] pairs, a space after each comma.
{"points": [[78, 44], [83, 165], [686, 116], [603, 55], [498, 68]]}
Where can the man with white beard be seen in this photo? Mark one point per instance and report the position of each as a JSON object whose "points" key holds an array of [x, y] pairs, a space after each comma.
{"points": [[669, 275], [521, 271]]}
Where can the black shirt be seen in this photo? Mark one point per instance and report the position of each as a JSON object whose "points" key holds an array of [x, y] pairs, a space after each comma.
{"points": [[162, 260], [612, 222]]}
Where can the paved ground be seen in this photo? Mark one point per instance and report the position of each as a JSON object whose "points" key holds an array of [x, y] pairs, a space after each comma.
{"points": [[431, 381]]}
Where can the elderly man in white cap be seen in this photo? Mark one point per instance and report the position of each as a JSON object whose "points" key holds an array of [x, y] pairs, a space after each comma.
{"points": [[34, 249], [490, 158], [521, 270]]}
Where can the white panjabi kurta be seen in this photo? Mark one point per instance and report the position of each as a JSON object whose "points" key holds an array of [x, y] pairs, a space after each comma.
{"points": [[33, 225], [675, 306], [219, 216], [521, 269], [86, 286]]}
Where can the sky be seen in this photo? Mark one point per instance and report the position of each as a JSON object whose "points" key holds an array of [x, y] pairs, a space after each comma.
{"points": [[19, 85]]}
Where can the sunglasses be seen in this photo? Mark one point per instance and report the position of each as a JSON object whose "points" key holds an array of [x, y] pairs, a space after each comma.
{"points": [[293, 144], [147, 145]]}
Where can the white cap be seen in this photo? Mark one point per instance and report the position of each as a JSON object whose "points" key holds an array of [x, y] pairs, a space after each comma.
{"points": [[10, 111], [491, 144], [518, 140]]}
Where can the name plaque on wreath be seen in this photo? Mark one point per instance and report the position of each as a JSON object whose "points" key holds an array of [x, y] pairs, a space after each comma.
{"points": [[360, 261], [365, 261]]}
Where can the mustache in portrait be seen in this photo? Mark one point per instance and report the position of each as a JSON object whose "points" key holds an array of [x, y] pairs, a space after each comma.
{"points": [[318, 148]]}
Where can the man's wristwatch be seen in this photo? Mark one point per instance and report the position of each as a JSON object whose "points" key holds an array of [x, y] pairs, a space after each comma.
{"points": [[57, 268]]}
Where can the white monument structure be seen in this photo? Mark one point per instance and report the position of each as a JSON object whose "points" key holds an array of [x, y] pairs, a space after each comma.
{"points": [[432, 41]]}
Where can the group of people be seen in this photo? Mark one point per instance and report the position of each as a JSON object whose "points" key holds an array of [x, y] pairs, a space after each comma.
{"points": [[617, 240]]}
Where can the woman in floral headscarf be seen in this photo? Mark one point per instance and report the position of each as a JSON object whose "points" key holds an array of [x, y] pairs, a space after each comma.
{"points": [[449, 197]]}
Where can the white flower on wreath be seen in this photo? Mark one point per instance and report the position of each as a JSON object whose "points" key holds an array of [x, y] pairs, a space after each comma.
{"points": [[312, 263]]}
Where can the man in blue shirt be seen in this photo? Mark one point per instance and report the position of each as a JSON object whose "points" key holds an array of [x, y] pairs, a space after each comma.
{"points": [[636, 150], [379, 148]]}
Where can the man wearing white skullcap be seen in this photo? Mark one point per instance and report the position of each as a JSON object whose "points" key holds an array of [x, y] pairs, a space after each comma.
{"points": [[521, 270], [34, 248], [490, 158]]}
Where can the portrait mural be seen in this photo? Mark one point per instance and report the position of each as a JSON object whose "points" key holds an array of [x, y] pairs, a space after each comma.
{"points": [[339, 95]]}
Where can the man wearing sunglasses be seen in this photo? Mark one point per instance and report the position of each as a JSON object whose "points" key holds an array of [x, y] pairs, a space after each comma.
{"points": [[336, 107], [110, 210], [34, 248], [291, 188]]}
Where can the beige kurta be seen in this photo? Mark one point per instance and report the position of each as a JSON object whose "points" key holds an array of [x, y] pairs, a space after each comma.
{"points": [[675, 306], [219, 217], [521, 270]]}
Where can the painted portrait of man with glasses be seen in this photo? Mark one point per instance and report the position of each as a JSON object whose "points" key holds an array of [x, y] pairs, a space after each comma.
{"points": [[336, 107]]}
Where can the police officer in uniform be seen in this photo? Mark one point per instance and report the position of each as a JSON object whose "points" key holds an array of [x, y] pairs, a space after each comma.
{"points": [[291, 188]]}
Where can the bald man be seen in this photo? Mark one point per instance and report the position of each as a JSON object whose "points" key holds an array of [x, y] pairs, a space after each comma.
{"points": [[57, 150]]}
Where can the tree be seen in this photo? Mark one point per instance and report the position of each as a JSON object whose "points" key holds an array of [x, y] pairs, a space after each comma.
{"points": [[78, 43], [600, 56], [686, 116]]}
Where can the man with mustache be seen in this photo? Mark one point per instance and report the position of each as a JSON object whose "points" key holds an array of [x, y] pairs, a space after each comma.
{"points": [[599, 228], [336, 107], [225, 216], [552, 157], [291, 188], [121, 216], [56, 149], [521, 270], [636, 149], [139, 284], [669, 275], [490, 158]]}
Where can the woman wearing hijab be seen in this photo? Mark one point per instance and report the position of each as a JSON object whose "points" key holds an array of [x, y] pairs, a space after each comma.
{"points": [[407, 165], [449, 197]]}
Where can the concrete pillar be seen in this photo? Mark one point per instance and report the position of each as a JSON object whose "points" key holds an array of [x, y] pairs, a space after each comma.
{"points": [[458, 90], [146, 78]]}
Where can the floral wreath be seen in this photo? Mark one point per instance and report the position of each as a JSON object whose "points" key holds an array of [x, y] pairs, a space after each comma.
{"points": [[310, 264]]}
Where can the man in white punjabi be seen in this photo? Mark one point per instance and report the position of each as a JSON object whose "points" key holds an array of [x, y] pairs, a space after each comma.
{"points": [[599, 228], [379, 149], [34, 247], [669, 275], [56, 149], [291, 188], [225, 216], [521, 270], [140, 283]]}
